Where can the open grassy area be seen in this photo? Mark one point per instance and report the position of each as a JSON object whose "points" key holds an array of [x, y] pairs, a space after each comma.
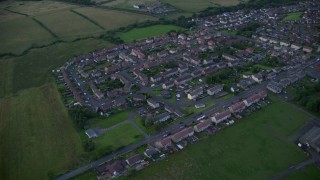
{"points": [[128, 4], [110, 121], [141, 33], [117, 138], [293, 16], [229, 32], [309, 172], [68, 24], [20, 33], [256, 148], [199, 5], [110, 19], [38, 139]]}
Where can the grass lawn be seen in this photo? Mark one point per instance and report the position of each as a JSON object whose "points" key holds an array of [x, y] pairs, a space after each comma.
{"points": [[110, 19], [38, 140], [309, 172], [256, 148], [117, 138], [110, 121], [293, 16], [229, 32], [140, 33], [199, 5], [88, 175], [149, 130], [263, 67]]}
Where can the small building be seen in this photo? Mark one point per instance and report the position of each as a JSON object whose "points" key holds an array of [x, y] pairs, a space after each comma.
{"points": [[312, 138], [152, 103], [91, 133], [200, 105], [202, 125], [214, 90], [274, 87], [195, 93], [257, 77], [161, 117]]}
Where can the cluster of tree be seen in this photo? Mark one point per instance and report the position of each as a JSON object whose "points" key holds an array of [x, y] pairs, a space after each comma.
{"points": [[88, 145], [171, 64], [308, 96], [242, 45], [272, 61], [222, 77], [183, 22], [251, 4], [110, 84], [224, 49], [249, 29], [204, 55], [80, 116], [112, 37]]}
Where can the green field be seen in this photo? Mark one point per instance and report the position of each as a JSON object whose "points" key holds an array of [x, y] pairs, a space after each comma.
{"points": [[309, 172], [128, 4], [110, 19], [199, 5], [150, 31], [256, 148], [38, 139], [20, 33], [68, 24], [110, 121], [117, 138], [293, 16], [229, 32]]}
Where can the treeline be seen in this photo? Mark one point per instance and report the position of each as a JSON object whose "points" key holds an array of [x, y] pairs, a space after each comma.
{"points": [[249, 30], [308, 96], [251, 4], [112, 36], [80, 116]]}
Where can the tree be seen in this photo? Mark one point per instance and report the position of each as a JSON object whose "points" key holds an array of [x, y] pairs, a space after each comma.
{"points": [[89, 145]]}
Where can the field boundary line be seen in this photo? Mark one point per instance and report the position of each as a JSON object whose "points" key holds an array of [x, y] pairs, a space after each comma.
{"points": [[87, 18], [15, 12], [45, 27]]}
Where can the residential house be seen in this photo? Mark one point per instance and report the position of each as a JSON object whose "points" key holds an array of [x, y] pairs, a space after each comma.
{"points": [[134, 160], [202, 125], [161, 117], [237, 107], [219, 117], [164, 143], [183, 134], [195, 93]]}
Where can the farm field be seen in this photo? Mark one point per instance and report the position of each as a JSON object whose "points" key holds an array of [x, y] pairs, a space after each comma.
{"points": [[150, 31], [116, 138], [68, 24], [39, 7], [293, 16], [256, 148], [38, 140], [20, 33], [128, 4], [34, 125], [199, 5], [110, 19]]}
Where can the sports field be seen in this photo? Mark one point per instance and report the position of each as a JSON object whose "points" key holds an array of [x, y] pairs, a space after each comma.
{"points": [[256, 148], [150, 31], [199, 5]]}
